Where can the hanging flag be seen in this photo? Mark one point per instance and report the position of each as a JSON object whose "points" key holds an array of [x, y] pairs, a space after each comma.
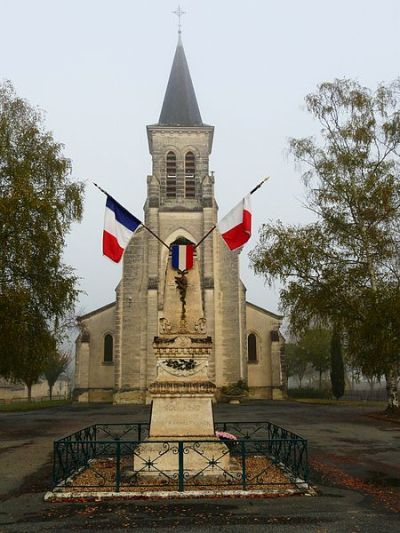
{"points": [[182, 256], [235, 227], [119, 226]]}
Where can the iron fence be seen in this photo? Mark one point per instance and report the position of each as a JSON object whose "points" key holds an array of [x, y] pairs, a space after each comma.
{"points": [[121, 457]]}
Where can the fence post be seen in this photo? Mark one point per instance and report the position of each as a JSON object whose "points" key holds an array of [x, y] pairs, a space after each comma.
{"points": [[306, 468], [118, 466], [296, 457], [181, 481], [54, 463], [243, 454], [94, 447]]}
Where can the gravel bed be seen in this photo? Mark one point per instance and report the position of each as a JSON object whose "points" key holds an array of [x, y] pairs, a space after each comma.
{"points": [[261, 473]]}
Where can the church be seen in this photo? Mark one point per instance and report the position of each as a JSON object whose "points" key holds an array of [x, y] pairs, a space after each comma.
{"points": [[115, 359]]}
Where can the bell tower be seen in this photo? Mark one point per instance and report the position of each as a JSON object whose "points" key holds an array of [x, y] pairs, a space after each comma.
{"points": [[180, 145]]}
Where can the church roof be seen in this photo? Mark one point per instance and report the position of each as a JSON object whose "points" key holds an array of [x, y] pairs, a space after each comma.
{"points": [[96, 311], [265, 311], [180, 106]]}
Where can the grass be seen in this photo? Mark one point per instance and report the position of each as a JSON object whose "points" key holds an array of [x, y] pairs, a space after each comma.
{"points": [[31, 406], [342, 403]]}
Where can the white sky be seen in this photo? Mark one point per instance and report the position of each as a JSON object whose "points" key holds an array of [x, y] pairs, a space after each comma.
{"points": [[100, 68]]}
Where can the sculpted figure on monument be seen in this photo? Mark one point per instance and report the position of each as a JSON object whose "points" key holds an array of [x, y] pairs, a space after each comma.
{"points": [[182, 311], [181, 283]]}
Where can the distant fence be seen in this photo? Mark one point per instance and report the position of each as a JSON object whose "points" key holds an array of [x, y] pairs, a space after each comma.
{"points": [[35, 399], [378, 394], [366, 395]]}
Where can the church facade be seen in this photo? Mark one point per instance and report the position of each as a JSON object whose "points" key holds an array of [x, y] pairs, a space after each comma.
{"points": [[115, 359]]}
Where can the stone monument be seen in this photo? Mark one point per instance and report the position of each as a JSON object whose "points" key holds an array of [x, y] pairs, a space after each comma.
{"points": [[182, 393]]}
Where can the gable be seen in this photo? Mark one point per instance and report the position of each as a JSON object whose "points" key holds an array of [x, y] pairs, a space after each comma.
{"points": [[264, 311]]}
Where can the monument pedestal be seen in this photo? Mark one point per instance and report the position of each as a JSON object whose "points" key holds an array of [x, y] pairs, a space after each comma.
{"points": [[182, 411]]}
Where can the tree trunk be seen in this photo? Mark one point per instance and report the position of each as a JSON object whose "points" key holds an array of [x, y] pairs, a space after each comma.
{"points": [[51, 392], [300, 380], [337, 366], [391, 389], [29, 392], [371, 384], [320, 379]]}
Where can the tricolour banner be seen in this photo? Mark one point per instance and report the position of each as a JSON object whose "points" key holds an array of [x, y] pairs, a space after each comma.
{"points": [[119, 226], [182, 256], [235, 227]]}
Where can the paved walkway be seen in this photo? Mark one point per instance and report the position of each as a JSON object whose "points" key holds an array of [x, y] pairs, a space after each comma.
{"points": [[355, 466]]}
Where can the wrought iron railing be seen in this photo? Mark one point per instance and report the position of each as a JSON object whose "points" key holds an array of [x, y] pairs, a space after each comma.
{"points": [[121, 457]]}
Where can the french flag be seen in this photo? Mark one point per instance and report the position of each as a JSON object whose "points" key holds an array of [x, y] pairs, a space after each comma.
{"points": [[119, 226], [182, 256], [235, 227]]}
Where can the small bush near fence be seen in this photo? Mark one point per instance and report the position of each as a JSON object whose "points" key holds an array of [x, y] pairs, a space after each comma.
{"points": [[310, 392]]}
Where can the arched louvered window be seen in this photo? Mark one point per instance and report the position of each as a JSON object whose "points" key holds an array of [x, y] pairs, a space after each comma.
{"points": [[190, 169], [108, 348], [252, 348], [171, 175]]}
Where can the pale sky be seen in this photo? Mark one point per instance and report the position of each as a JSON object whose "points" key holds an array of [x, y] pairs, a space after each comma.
{"points": [[99, 70]]}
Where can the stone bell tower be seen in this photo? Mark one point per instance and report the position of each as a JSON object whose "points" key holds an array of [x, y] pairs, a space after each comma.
{"points": [[180, 207]]}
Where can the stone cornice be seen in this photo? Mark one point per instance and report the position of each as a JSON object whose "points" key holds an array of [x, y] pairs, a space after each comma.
{"points": [[179, 131]]}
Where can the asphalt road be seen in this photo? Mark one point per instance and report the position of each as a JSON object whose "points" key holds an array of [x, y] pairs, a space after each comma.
{"points": [[355, 464]]}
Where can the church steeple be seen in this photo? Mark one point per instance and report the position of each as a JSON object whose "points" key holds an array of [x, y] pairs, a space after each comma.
{"points": [[180, 106], [180, 145]]}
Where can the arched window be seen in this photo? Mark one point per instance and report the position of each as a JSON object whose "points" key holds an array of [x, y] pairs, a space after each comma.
{"points": [[252, 348], [190, 169], [108, 348], [171, 175]]}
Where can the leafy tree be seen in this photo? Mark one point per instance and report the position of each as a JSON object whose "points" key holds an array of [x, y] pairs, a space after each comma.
{"points": [[56, 363], [28, 325], [38, 203], [315, 343], [296, 361], [337, 365], [343, 269]]}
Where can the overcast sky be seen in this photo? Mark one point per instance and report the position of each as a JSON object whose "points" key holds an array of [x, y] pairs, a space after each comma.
{"points": [[99, 70]]}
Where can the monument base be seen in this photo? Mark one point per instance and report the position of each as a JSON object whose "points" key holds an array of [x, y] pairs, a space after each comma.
{"points": [[182, 440], [196, 456]]}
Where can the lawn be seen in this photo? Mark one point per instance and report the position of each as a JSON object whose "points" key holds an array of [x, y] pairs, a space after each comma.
{"points": [[342, 403], [31, 406]]}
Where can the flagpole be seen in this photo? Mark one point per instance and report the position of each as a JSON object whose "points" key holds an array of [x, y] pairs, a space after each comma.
{"points": [[215, 225], [144, 225], [259, 185], [205, 236]]}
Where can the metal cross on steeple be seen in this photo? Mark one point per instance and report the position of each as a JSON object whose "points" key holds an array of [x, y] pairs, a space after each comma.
{"points": [[179, 13]]}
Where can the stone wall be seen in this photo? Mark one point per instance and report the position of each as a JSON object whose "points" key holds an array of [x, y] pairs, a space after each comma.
{"points": [[264, 375], [18, 391], [94, 378]]}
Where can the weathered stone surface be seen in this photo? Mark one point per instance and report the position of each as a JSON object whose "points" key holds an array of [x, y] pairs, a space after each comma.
{"points": [[180, 417]]}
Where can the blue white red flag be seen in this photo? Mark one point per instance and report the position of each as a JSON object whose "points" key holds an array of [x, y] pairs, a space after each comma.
{"points": [[235, 227], [119, 226], [182, 256]]}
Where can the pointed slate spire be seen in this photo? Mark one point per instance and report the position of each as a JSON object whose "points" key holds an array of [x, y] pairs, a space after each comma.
{"points": [[180, 106]]}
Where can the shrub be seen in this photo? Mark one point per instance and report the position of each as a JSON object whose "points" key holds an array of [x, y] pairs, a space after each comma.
{"points": [[236, 389], [309, 392]]}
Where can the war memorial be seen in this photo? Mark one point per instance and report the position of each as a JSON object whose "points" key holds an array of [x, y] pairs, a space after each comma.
{"points": [[179, 334]]}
